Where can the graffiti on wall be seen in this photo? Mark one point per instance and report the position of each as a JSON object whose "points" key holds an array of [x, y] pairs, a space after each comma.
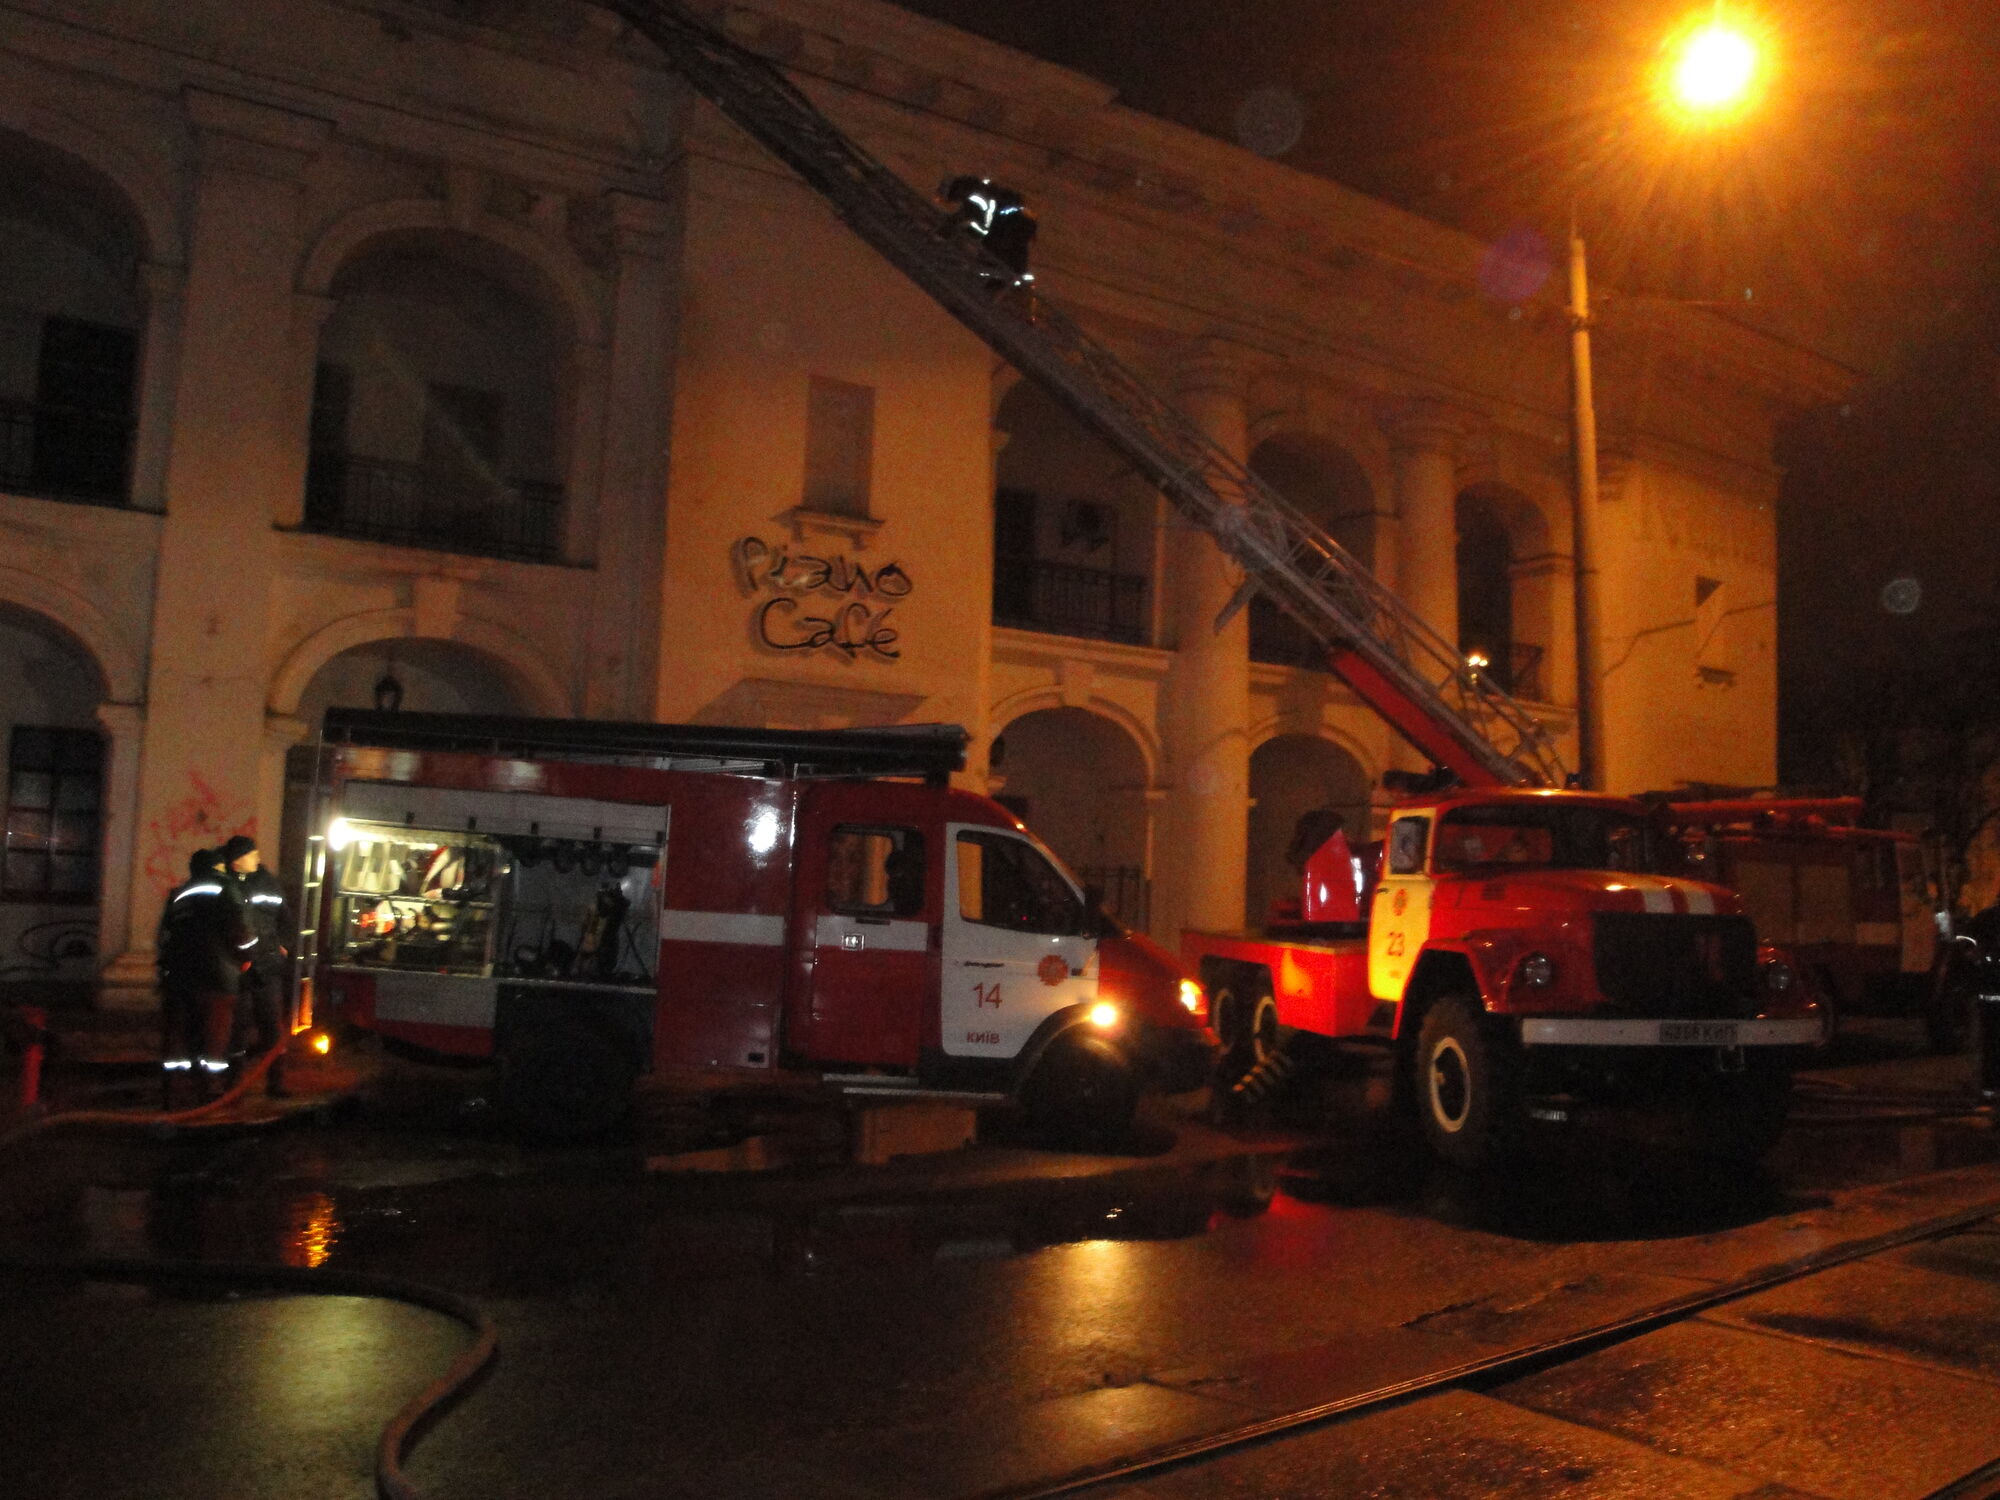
{"points": [[58, 948], [201, 819], [811, 603]]}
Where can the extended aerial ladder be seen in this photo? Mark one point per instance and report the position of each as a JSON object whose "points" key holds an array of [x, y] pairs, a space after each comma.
{"points": [[1375, 641]]}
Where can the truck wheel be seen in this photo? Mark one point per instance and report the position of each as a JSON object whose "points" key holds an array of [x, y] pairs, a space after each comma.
{"points": [[1246, 1021], [566, 1083], [1461, 1085], [1082, 1094]]}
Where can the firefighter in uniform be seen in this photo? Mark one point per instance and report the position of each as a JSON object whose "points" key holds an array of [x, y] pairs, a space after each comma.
{"points": [[200, 945], [998, 215], [261, 1000]]}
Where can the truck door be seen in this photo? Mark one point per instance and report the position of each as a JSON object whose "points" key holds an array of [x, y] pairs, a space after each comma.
{"points": [[1018, 945], [867, 914], [1400, 921]]}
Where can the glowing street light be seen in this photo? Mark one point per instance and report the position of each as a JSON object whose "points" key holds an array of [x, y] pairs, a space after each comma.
{"points": [[1712, 70]]}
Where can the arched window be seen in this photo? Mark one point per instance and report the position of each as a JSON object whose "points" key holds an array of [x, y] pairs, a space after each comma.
{"points": [[1073, 528], [438, 403], [70, 313]]}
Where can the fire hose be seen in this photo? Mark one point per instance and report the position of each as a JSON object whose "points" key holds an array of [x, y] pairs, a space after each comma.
{"points": [[416, 1415]]}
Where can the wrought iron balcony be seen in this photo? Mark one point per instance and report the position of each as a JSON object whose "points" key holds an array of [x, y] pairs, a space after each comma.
{"points": [[1517, 671], [64, 453], [1063, 599], [412, 505]]}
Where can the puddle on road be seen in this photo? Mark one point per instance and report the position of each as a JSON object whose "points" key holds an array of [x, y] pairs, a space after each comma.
{"points": [[537, 1236]]}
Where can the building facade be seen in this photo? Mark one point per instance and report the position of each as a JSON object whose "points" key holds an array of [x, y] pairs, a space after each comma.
{"points": [[449, 354]]}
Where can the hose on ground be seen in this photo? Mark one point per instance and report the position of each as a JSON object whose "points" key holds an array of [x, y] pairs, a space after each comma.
{"points": [[251, 1075], [417, 1414]]}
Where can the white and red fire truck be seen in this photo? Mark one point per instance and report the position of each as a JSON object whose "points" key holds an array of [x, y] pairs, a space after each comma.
{"points": [[593, 903]]}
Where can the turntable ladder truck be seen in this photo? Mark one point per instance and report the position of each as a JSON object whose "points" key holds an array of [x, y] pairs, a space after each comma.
{"points": [[1525, 950]]}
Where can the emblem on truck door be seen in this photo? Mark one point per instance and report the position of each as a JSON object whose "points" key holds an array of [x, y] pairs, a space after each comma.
{"points": [[1052, 969]]}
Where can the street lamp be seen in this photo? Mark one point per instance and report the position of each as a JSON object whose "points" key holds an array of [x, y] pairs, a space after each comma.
{"points": [[1711, 70]]}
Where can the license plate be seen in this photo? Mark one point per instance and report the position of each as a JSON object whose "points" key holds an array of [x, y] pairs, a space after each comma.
{"points": [[1698, 1033]]}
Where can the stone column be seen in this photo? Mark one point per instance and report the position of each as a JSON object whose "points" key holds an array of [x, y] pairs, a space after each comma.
{"points": [[127, 964], [232, 469], [1205, 701], [159, 362], [630, 517], [1424, 441]]}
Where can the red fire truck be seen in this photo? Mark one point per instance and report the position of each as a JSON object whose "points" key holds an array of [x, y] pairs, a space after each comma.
{"points": [[1852, 904], [592, 903], [1530, 955]]}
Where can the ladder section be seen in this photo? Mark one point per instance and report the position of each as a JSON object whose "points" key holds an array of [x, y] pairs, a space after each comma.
{"points": [[1381, 647]]}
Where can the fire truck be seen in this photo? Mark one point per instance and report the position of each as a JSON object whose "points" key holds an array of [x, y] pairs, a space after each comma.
{"points": [[1852, 904], [1529, 956], [591, 904], [1526, 949]]}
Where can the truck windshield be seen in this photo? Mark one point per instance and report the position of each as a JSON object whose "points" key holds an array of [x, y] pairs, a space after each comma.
{"points": [[1553, 837]]}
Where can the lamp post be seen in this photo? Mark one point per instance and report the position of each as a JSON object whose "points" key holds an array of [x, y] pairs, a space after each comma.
{"points": [[1711, 72]]}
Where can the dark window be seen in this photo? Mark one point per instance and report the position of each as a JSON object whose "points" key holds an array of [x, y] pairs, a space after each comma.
{"points": [[840, 446], [1566, 838], [875, 871], [54, 782], [74, 440], [333, 399], [1005, 882], [1406, 845]]}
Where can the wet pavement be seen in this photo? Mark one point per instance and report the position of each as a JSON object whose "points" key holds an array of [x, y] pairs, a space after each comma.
{"points": [[939, 1326]]}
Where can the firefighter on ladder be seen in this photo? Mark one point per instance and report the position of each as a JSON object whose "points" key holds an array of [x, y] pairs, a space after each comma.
{"points": [[201, 947], [997, 215]]}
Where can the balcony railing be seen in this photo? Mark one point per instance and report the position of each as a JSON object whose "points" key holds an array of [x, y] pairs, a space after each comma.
{"points": [[64, 453], [411, 505], [1064, 599], [1128, 895]]}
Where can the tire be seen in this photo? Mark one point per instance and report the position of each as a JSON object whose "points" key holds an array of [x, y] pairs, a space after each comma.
{"points": [[1246, 1021], [1082, 1094], [1463, 1085], [566, 1083]]}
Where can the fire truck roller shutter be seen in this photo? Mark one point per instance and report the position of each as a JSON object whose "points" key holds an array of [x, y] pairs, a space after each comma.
{"points": [[570, 1055], [515, 813]]}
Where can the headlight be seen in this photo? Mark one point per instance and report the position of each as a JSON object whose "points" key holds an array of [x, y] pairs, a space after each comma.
{"points": [[1778, 976], [1537, 971], [1104, 1015], [1193, 999]]}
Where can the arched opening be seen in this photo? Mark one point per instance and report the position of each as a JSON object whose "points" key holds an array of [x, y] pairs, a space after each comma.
{"points": [[1290, 776], [1504, 607], [415, 675], [1073, 527], [1325, 482], [70, 250], [440, 399], [1079, 781], [51, 879]]}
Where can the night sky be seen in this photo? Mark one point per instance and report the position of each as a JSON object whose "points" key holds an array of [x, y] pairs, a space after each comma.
{"points": [[1855, 210]]}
